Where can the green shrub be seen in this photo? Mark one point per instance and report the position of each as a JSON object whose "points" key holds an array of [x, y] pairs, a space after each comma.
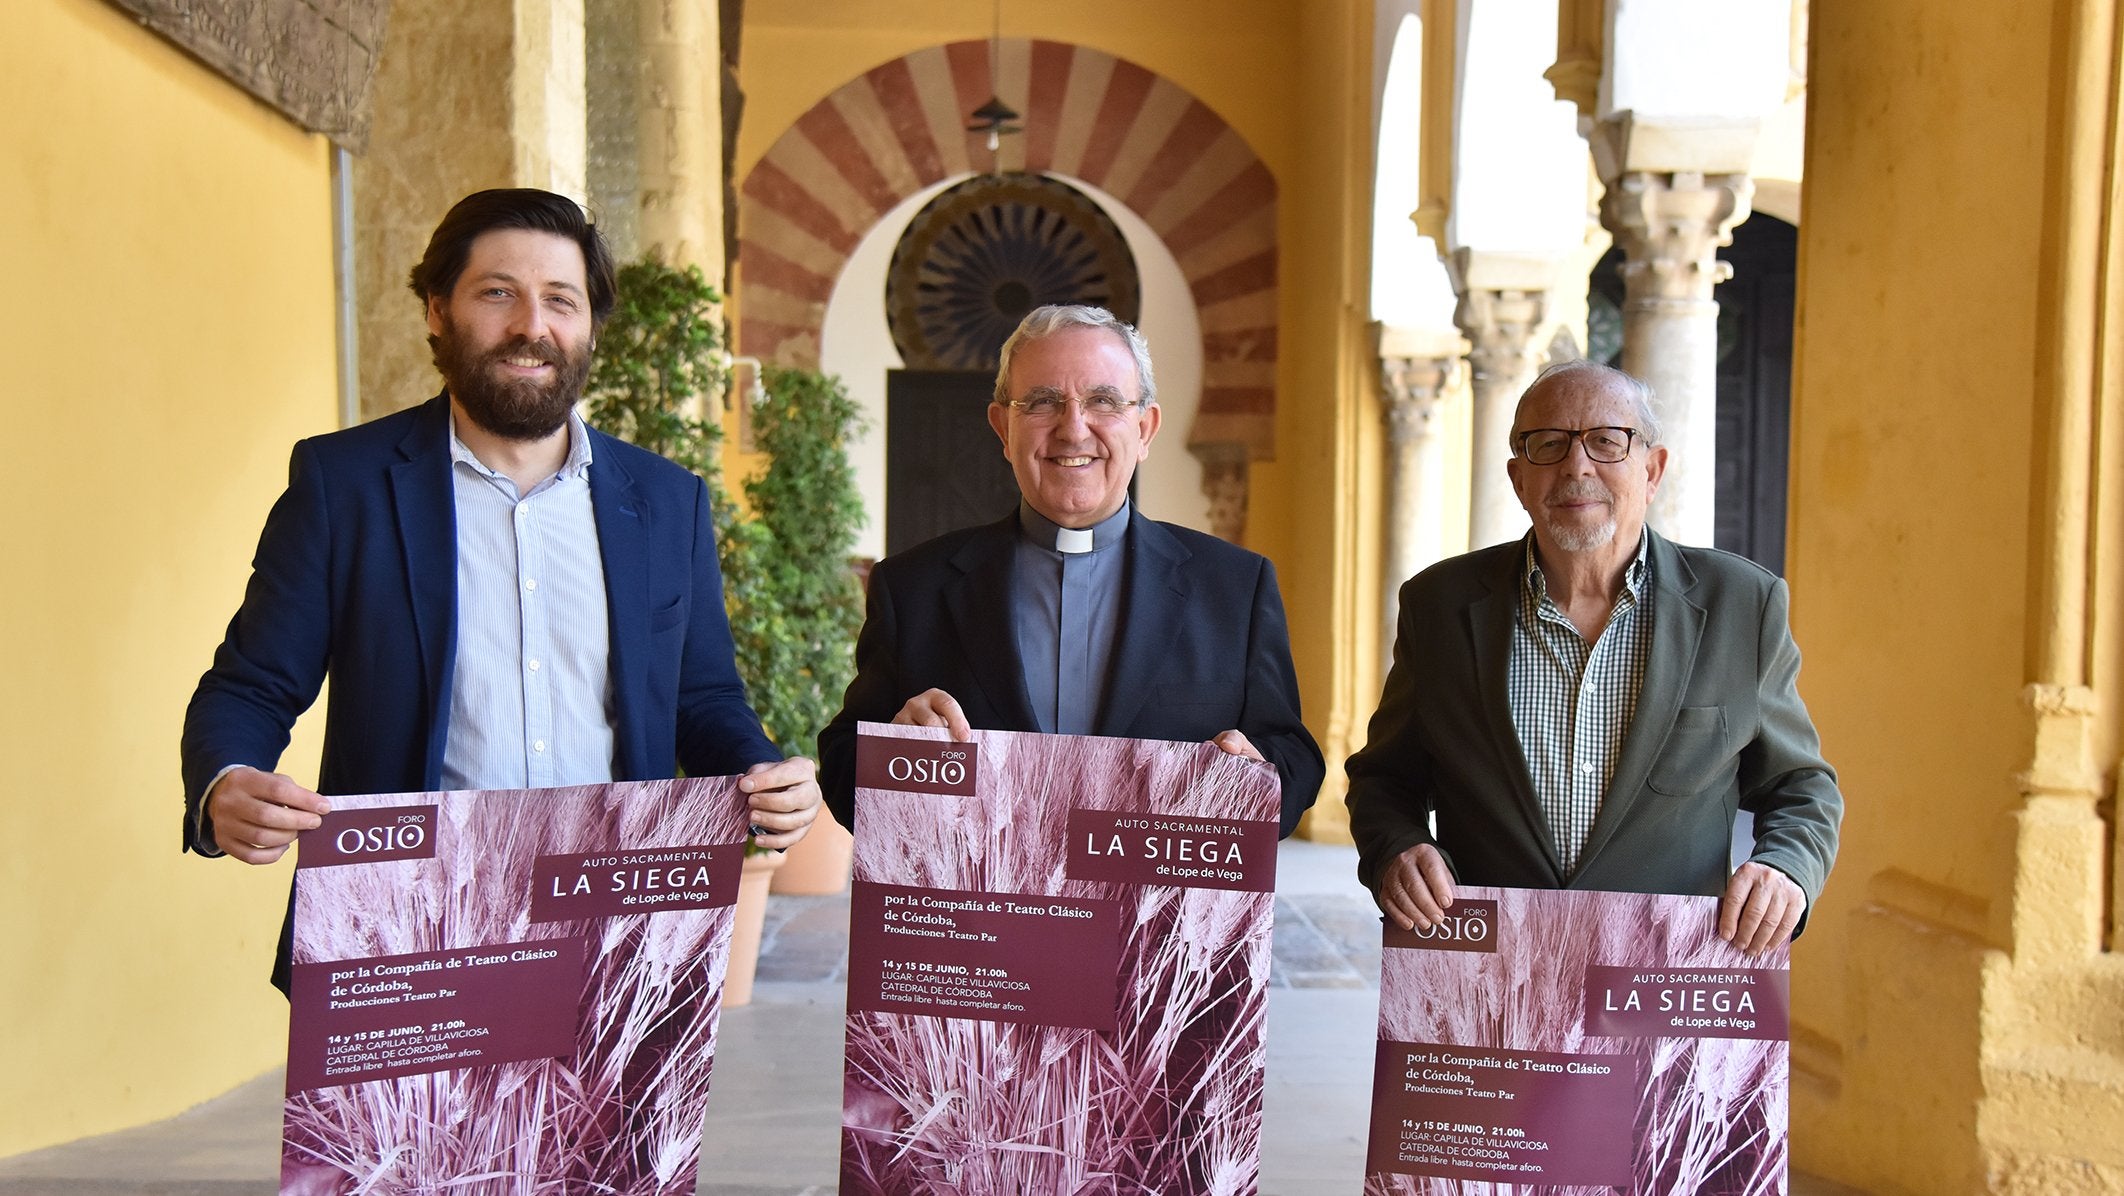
{"points": [[794, 605]]}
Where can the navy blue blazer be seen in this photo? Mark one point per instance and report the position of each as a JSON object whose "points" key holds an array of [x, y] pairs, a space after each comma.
{"points": [[356, 576], [1202, 648]]}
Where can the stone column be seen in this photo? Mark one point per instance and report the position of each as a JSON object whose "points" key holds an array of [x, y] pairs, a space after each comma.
{"points": [[548, 103], [1415, 366], [680, 135], [483, 93], [1503, 299], [1674, 194]]}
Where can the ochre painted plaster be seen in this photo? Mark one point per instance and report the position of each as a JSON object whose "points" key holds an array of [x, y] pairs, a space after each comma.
{"points": [[170, 252], [1956, 1016]]}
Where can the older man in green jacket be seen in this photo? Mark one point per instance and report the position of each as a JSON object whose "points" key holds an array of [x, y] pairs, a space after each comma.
{"points": [[1590, 707]]}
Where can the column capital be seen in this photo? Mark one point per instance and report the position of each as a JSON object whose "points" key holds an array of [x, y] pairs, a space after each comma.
{"points": [[1674, 189], [1670, 226], [1500, 329], [1415, 367], [1503, 300], [1414, 395], [1627, 142], [1470, 269]]}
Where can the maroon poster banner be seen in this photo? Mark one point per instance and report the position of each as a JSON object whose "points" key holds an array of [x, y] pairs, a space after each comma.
{"points": [[606, 884], [1004, 958], [1057, 965], [371, 835], [1576, 1039], [519, 984], [1200, 853]]}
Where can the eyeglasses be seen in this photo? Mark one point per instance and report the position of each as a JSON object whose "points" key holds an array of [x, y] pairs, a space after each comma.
{"points": [[1045, 406], [1547, 446]]}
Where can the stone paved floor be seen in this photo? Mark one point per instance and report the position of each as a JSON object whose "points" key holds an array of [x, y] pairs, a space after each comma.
{"points": [[774, 1110]]}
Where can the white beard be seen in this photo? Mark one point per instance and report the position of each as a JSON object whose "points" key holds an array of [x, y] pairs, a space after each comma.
{"points": [[1571, 538]]}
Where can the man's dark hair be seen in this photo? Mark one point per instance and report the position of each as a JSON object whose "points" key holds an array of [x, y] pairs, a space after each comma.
{"points": [[513, 207]]}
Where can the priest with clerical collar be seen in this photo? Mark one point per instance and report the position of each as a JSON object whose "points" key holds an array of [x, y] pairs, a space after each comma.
{"points": [[1066, 606], [1075, 614]]}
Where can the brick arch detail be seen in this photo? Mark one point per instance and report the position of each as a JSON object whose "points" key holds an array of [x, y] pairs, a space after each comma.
{"points": [[899, 127]]}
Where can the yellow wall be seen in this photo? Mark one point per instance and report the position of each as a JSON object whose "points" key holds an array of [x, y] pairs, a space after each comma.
{"points": [[169, 311], [796, 52], [1315, 510], [1914, 450]]}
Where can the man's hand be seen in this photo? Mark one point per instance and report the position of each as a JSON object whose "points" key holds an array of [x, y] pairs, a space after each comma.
{"points": [[1237, 744], [935, 708], [257, 814], [1760, 908], [784, 798], [1417, 888]]}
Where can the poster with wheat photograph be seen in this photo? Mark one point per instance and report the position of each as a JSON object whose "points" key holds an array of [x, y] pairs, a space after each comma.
{"points": [[509, 991], [1557, 1042], [1058, 963]]}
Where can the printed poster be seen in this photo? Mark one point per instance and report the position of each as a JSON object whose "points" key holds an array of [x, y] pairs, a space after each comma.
{"points": [[1579, 1041], [509, 991], [1058, 965]]}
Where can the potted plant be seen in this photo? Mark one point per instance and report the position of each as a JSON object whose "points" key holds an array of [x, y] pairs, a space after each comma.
{"points": [[807, 504], [793, 606]]}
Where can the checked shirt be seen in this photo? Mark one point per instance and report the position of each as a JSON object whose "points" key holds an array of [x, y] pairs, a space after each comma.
{"points": [[1572, 701]]}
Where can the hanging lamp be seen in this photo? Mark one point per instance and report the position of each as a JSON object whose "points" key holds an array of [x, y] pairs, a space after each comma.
{"points": [[995, 117]]}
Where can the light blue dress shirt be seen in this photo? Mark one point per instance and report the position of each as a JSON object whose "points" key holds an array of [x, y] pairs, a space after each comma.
{"points": [[530, 691]]}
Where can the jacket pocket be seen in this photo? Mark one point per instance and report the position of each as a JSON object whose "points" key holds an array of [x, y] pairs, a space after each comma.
{"points": [[661, 621], [1694, 756]]}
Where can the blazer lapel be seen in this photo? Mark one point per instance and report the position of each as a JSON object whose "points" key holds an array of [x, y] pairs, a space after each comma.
{"points": [[426, 512], [1151, 609], [1490, 640], [622, 517], [978, 601], [1677, 629]]}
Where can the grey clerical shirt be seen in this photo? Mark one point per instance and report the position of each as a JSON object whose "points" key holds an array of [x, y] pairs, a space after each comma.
{"points": [[1572, 701], [530, 690], [1066, 614]]}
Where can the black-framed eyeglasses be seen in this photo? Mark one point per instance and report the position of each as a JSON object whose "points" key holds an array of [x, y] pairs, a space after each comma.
{"points": [[1606, 445], [1047, 406]]}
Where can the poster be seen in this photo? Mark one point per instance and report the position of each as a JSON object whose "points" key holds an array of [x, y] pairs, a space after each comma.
{"points": [[1058, 965], [509, 991], [1554, 1041]]}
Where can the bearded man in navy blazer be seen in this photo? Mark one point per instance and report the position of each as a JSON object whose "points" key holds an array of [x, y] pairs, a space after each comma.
{"points": [[1074, 614], [1591, 706], [503, 597]]}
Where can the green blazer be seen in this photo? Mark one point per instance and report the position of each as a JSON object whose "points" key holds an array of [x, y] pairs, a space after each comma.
{"points": [[1719, 728]]}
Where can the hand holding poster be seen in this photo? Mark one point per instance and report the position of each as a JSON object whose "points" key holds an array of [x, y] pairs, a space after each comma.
{"points": [[509, 991], [1058, 962], [1578, 1040]]}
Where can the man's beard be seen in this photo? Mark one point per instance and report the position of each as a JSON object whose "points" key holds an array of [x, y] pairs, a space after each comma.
{"points": [[511, 408], [1576, 537]]}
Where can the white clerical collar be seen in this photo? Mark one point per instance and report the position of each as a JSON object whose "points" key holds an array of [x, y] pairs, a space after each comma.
{"points": [[1071, 541]]}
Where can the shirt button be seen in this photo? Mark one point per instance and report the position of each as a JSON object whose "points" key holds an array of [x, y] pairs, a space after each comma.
{"points": [[530, 583], [533, 666], [538, 745], [1581, 768]]}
